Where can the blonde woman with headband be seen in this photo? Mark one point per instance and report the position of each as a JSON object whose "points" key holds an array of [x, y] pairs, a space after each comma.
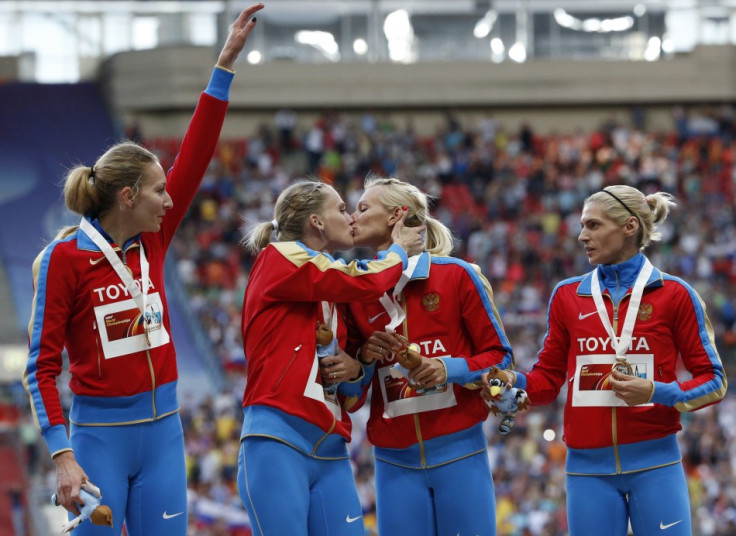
{"points": [[294, 472], [99, 294], [426, 426], [617, 337]]}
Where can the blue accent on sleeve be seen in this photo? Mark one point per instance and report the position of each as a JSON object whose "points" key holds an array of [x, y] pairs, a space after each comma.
{"points": [[667, 394], [56, 438], [368, 372], [35, 339], [351, 388], [401, 253], [520, 380], [219, 86], [458, 371]]}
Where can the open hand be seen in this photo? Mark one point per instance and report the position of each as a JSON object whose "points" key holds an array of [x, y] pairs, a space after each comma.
{"points": [[239, 31], [409, 238]]}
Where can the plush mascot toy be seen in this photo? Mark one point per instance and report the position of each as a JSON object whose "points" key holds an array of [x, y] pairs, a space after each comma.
{"points": [[507, 402], [326, 345], [408, 358], [93, 509]]}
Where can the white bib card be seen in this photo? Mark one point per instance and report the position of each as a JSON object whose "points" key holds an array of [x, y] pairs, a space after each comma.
{"points": [[592, 377]]}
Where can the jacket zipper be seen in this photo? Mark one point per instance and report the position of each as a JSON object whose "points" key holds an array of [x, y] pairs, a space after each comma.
{"points": [[417, 426], [614, 410], [420, 442], [148, 352], [288, 365], [97, 346]]}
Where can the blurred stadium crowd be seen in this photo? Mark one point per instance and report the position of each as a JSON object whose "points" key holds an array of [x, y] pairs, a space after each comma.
{"points": [[513, 201]]}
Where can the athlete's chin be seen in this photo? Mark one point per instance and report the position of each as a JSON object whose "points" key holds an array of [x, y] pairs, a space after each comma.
{"points": [[153, 228]]}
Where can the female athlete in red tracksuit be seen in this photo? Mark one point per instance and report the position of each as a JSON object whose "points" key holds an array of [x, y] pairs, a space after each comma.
{"points": [[432, 471], [294, 473], [619, 338], [99, 295]]}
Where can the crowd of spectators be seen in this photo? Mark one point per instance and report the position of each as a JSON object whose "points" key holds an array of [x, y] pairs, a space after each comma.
{"points": [[513, 201]]}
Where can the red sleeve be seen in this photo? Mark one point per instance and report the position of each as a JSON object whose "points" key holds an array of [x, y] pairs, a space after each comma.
{"points": [[483, 323], [52, 307], [544, 381], [297, 275], [190, 165]]}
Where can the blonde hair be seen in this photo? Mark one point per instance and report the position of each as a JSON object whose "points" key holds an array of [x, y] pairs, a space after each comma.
{"points": [[91, 191], [293, 207], [620, 202], [396, 193]]}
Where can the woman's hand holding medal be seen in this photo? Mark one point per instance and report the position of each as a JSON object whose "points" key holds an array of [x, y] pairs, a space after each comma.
{"points": [[631, 389]]}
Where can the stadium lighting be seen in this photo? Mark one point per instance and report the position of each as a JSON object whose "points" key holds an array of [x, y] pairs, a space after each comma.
{"points": [[400, 35], [653, 50], [484, 26], [254, 57], [497, 50], [360, 47], [145, 33], [668, 45], [619, 24], [517, 52], [322, 41]]}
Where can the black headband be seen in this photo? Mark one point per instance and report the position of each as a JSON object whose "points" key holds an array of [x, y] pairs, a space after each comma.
{"points": [[622, 203]]}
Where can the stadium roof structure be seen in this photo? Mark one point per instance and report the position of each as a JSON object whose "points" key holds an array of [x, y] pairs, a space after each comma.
{"points": [[66, 40]]}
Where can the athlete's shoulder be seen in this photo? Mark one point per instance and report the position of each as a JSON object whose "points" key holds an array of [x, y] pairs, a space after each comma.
{"points": [[454, 263], [295, 252], [675, 281], [60, 253], [677, 288], [446, 260], [63, 246], [573, 285]]}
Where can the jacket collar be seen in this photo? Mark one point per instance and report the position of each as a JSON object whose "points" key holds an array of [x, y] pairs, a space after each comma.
{"points": [[626, 273], [421, 270], [84, 242]]}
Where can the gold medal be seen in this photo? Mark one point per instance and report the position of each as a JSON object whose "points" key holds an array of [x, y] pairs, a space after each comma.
{"points": [[622, 366]]}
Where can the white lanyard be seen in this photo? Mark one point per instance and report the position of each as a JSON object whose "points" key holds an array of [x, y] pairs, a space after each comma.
{"points": [[329, 313], [621, 345], [137, 293], [391, 303]]}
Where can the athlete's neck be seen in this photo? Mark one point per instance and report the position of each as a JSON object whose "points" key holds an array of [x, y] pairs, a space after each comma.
{"points": [[118, 229]]}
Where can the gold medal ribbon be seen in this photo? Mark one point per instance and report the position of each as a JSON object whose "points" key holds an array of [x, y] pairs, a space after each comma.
{"points": [[621, 344]]}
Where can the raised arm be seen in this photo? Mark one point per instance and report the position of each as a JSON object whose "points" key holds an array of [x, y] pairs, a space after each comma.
{"points": [[200, 141], [239, 31]]}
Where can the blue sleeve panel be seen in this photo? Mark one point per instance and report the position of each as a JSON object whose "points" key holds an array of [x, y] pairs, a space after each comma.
{"points": [[219, 86]]}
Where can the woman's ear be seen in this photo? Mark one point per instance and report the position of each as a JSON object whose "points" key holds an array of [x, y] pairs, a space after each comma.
{"points": [[632, 226], [126, 197], [316, 222], [394, 216]]}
